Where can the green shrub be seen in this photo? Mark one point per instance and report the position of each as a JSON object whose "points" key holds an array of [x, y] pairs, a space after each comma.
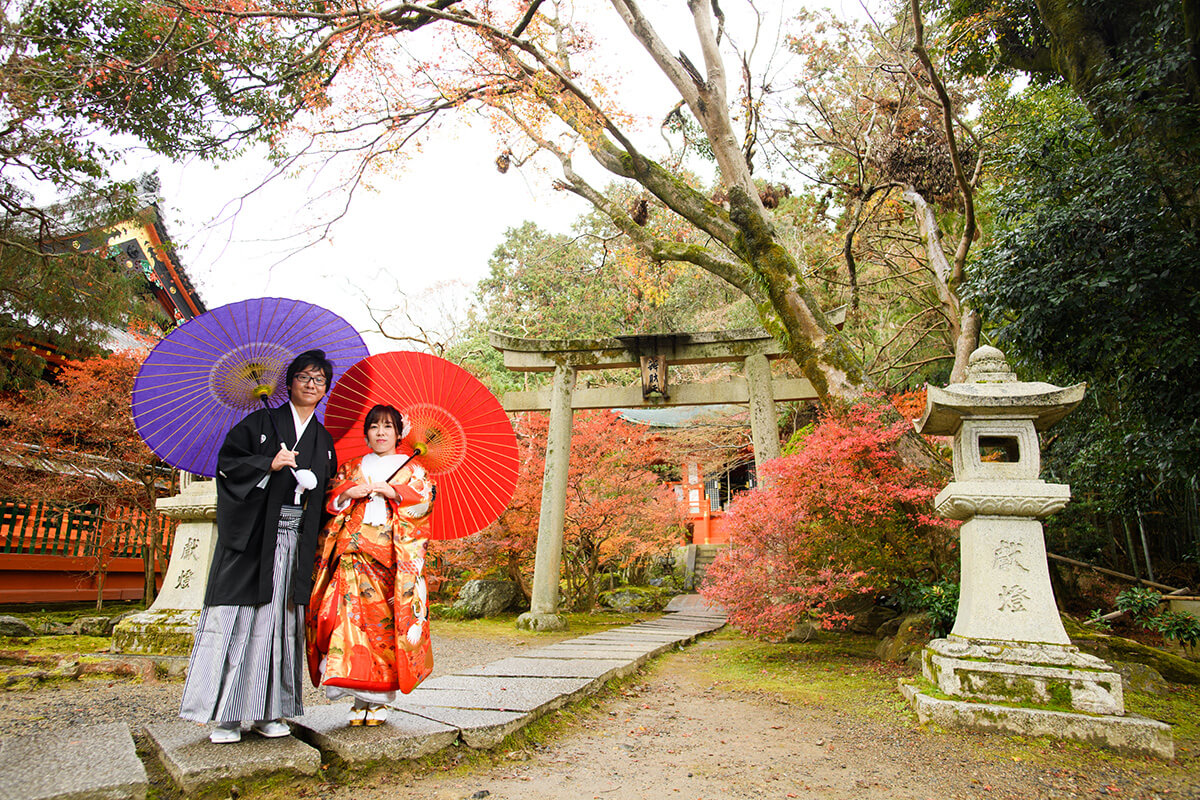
{"points": [[1177, 625], [1139, 601], [939, 600]]}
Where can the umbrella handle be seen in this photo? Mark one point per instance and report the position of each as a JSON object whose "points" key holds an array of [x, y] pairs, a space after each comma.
{"points": [[419, 449], [274, 425]]}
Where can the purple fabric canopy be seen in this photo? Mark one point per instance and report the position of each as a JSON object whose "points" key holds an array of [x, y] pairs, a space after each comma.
{"points": [[209, 373]]}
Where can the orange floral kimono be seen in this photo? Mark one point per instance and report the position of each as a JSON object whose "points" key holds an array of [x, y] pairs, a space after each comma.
{"points": [[367, 626]]}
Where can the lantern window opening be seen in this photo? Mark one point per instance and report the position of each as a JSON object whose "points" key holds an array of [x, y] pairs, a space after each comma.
{"points": [[999, 449]]}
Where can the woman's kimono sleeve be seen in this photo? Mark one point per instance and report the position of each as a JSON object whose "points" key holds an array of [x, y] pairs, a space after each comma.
{"points": [[411, 517], [320, 619]]}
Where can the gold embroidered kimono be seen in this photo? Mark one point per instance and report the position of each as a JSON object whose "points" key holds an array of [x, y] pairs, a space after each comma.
{"points": [[367, 626]]}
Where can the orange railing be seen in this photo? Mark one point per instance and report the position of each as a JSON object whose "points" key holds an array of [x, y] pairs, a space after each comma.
{"points": [[52, 553]]}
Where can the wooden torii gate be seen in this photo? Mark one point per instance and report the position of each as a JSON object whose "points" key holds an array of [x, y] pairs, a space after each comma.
{"points": [[653, 354]]}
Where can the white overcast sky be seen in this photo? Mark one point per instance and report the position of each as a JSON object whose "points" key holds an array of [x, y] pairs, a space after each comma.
{"points": [[436, 219]]}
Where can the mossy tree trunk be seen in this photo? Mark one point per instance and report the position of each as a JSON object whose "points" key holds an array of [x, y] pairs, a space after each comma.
{"points": [[744, 248]]}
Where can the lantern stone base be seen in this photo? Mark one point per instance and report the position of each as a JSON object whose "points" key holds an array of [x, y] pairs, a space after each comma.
{"points": [[1023, 672], [1130, 735], [169, 632]]}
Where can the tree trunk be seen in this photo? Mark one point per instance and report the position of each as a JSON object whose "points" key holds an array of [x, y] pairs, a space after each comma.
{"points": [[513, 568], [149, 565], [150, 547]]}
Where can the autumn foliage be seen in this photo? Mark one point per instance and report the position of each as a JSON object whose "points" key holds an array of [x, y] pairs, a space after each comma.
{"points": [[73, 443], [841, 515], [83, 419], [619, 513]]}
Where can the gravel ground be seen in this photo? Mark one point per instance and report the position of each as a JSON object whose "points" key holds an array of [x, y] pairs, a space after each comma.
{"points": [[93, 700], [680, 729]]}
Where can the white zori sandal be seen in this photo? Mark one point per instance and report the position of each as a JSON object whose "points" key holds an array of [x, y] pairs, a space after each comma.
{"points": [[226, 733], [376, 715], [272, 729]]}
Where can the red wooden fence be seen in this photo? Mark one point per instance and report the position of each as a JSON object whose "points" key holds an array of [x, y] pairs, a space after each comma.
{"points": [[52, 553]]}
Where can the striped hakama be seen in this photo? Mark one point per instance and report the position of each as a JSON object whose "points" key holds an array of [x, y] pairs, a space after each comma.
{"points": [[248, 661]]}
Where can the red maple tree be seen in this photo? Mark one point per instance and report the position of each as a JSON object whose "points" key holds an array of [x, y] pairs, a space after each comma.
{"points": [[73, 444], [843, 514], [619, 512]]}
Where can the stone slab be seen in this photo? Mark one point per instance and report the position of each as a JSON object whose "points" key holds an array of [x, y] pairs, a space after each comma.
{"points": [[693, 604], [663, 623], [666, 634], [592, 668], [156, 633], [1129, 734], [1092, 691], [699, 620], [195, 763], [667, 623], [96, 762], [633, 646], [404, 735], [516, 684], [687, 625], [497, 693], [669, 637], [638, 655], [658, 644], [708, 622], [477, 728]]}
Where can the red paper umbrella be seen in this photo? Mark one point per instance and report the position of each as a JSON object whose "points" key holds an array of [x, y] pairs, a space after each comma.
{"points": [[468, 443]]}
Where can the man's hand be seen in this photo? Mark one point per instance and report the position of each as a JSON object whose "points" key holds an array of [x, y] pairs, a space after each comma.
{"points": [[284, 458]]}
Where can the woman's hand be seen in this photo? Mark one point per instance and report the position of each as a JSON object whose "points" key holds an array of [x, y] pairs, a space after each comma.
{"points": [[384, 490], [358, 491]]}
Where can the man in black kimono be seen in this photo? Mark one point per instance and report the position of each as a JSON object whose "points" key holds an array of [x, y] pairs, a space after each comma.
{"points": [[248, 660]]}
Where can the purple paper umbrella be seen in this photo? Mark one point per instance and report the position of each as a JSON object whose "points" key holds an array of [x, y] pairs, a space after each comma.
{"points": [[209, 373]]}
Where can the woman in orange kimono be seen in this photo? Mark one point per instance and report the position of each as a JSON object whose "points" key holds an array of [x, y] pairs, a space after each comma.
{"points": [[368, 627]]}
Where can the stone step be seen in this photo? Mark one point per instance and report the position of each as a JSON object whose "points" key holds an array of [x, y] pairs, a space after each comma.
{"points": [[403, 735], [195, 763], [694, 605], [89, 761]]}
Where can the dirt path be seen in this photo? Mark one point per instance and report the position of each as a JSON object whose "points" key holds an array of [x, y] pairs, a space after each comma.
{"points": [[679, 731], [826, 725]]}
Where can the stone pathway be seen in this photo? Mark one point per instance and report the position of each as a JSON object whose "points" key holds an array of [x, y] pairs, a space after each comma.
{"points": [[478, 707]]}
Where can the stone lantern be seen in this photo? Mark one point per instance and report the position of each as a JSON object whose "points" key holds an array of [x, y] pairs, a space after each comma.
{"points": [[168, 627], [1008, 662]]}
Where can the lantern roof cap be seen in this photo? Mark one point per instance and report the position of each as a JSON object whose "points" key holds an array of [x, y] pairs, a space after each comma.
{"points": [[993, 391]]}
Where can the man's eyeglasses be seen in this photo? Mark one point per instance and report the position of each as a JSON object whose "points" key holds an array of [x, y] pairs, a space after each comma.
{"points": [[310, 380]]}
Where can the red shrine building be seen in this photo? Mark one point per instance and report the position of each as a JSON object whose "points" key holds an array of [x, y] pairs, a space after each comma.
{"points": [[50, 553], [705, 499], [140, 244]]}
